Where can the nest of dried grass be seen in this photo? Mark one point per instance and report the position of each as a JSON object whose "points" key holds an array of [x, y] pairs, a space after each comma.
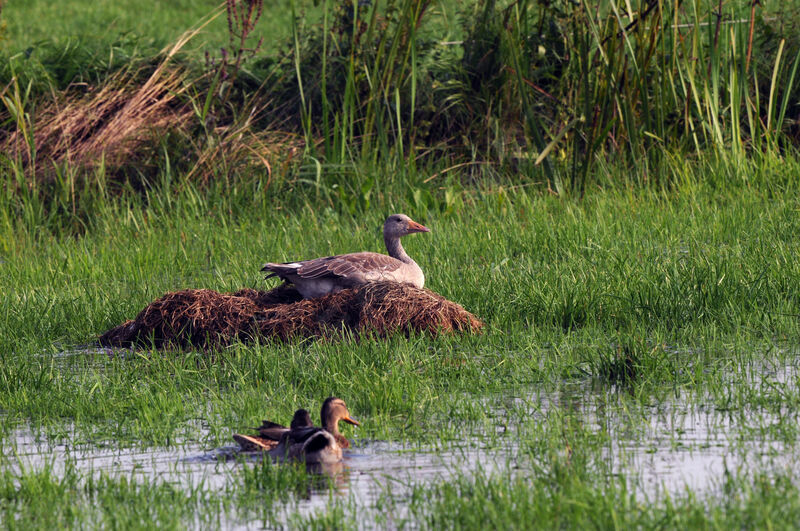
{"points": [[206, 318]]}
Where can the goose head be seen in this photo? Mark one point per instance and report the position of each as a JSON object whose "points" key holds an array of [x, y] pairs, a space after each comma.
{"points": [[398, 225], [334, 410]]}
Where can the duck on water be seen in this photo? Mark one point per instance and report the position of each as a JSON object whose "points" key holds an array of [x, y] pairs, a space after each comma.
{"points": [[301, 440]]}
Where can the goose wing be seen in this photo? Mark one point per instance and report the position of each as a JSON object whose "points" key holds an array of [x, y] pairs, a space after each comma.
{"points": [[358, 266]]}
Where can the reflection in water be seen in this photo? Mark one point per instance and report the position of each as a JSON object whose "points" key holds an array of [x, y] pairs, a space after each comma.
{"points": [[664, 445], [685, 441]]}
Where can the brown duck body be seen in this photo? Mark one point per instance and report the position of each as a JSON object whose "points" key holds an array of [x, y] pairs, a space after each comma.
{"points": [[320, 276], [312, 445], [270, 433], [317, 445]]}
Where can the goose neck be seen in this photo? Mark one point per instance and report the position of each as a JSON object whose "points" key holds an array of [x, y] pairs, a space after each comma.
{"points": [[395, 249]]}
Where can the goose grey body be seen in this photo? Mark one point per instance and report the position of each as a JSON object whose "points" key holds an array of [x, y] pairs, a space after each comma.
{"points": [[320, 276]]}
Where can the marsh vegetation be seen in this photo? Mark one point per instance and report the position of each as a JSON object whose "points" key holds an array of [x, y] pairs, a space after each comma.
{"points": [[612, 190]]}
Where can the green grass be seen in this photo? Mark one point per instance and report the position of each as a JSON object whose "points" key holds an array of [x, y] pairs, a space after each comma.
{"points": [[32, 22], [39, 498], [551, 91], [655, 293], [589, 503], [662, 280]]}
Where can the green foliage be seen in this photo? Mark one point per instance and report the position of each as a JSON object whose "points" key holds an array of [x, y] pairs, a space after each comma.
{"points": [[674, 275], [641, 295], [47, 497], [525, 502], [549, 91], [78, 63]]}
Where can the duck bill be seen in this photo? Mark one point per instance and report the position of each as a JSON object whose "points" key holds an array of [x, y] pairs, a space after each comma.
{"points": [[351, 420], [413, 226]]}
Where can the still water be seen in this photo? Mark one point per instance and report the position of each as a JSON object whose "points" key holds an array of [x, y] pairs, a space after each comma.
{"points": [[667, 444]]}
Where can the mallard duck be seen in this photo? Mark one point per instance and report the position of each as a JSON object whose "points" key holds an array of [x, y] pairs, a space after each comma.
{"points": [[320, 276], [318, 445], [270, 433]]}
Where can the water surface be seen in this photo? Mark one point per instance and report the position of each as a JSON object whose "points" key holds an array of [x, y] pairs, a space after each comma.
{"points": [[678, 441]]}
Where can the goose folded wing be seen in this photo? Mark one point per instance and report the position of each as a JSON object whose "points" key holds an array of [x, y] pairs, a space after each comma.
{"points": [[348, 265]]}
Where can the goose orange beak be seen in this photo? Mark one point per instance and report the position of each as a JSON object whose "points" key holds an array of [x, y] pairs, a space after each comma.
{"points": [[350, 420], [413, 226]]}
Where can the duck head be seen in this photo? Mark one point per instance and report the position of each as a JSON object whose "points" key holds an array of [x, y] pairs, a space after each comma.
{"points": [[334, 410], [301, 419]]}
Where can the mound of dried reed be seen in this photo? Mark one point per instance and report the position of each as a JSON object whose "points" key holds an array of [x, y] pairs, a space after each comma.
{"points": [[205, 318]]}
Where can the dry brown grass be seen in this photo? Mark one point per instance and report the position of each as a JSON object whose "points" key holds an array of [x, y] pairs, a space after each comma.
{"points": [[205, 318], [240, 147], [123, 121], [110, 123]]}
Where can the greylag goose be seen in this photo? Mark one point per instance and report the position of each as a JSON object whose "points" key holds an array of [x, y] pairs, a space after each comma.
{"points": [[318, 445], [320, 276], [270, 433]]}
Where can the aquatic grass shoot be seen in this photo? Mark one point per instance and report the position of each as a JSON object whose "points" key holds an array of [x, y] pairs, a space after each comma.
{"points": [[59, 495]]}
